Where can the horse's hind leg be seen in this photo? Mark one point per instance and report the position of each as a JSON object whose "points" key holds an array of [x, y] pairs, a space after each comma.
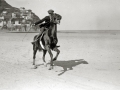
{"points": [[34, 56], [35, 48], [58, 52], [44, 53]]}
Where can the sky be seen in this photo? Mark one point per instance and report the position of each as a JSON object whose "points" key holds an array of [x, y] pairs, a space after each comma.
{"points": [[77, 14]]}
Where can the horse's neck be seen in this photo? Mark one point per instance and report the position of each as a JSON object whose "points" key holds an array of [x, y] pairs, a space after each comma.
{"points": [[54, 30]]}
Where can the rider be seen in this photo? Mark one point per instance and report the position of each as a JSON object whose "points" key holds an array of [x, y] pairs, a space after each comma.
{"points": [[43, 26]]}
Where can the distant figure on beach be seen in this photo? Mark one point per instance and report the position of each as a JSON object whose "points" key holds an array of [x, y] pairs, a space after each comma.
{"points": [[49, 21]]}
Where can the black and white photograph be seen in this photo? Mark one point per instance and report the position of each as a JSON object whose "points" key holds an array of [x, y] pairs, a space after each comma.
{"points": [[59, 44]]}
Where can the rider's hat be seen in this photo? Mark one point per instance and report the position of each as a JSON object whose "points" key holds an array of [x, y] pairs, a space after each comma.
{"points": [[50, 11]]}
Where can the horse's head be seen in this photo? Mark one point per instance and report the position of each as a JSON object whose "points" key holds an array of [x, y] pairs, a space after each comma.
{"points": [[57, 18]]}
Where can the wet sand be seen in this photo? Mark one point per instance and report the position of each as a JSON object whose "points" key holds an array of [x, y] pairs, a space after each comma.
{"points": [[88, 61]]}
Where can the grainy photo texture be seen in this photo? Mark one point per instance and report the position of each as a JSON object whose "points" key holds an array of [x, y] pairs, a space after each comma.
{"points": [[59, 44]]}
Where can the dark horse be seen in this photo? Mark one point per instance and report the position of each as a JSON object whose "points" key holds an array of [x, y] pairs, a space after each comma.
{"points": [[47, 43]]}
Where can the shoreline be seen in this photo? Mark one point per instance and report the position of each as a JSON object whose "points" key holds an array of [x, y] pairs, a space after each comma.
{"points": [[68, 31]]}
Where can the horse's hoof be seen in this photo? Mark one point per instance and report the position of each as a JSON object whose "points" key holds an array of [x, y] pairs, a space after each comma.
{"points": [[54, 59], [45, 64], [35, 67], [50, 68]]}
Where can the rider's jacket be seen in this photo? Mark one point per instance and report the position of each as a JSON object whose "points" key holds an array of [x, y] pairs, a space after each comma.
{"points": [[46, 24], [48, 21]]}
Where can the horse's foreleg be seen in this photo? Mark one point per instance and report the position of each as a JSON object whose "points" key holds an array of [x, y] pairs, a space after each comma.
{"points": [[58, 52], [44, 53], [51, 55]]}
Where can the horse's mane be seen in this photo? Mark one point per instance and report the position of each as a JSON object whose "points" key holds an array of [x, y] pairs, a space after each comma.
{"points": [[58, 16]]}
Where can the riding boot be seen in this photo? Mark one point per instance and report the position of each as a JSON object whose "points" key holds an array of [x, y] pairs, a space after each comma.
{"points": [[54, 39], [38, 36], [36, 39]]}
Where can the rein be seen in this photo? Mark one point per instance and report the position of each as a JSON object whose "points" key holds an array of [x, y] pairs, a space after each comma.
{"points": [[26, 33]]}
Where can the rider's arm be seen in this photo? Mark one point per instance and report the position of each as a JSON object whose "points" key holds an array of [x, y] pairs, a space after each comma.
{"points": [[42, 20]]}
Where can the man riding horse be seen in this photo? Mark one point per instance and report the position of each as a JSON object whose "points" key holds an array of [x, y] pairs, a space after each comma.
{"points": [[49, 21], [47, 38]]}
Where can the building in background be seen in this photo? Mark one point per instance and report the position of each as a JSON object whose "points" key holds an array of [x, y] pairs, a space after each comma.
{"points": [[11, 17]]}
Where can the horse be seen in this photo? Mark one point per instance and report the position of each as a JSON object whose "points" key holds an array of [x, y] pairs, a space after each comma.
{"points": [[46, 43]]}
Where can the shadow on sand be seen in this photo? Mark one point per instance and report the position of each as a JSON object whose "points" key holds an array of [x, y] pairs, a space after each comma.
{"points": [[68, 65]]}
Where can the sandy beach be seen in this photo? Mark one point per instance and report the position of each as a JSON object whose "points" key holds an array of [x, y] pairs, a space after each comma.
{"points": [[87, 61]]}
